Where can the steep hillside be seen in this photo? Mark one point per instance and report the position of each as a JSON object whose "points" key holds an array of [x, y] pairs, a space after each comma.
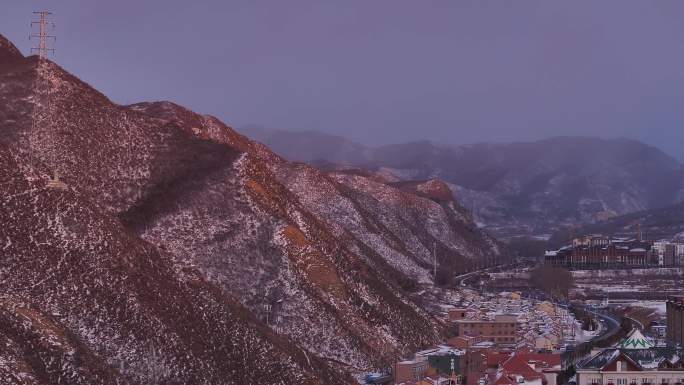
{"points": [[213, 216], [362, 266], [528, 188], [406, 225], [85, 301]]}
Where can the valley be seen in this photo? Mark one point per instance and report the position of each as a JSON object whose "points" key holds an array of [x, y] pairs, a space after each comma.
{"points": [[147, 243]]}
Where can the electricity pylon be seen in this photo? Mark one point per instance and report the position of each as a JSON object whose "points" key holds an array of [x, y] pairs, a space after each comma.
{"points": [[41, 112]]}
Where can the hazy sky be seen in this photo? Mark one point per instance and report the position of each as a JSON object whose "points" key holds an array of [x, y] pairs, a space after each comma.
{"points": [[387, 71]]}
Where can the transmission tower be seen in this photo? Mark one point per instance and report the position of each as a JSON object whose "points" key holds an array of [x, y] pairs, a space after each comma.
{"points": [[42, 34], [42, 122]]}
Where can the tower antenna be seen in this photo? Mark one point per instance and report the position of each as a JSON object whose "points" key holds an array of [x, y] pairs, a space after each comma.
{"points": [[42, 120], [42, 34]]}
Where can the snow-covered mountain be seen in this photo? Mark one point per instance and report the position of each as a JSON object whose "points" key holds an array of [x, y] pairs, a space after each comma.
{"points": [[183, 252], [517, 188]]}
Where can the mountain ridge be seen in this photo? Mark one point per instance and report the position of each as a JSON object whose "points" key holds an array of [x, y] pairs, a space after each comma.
{"points": [[527, 188], [655, 224], [266, 135], [8, 51]]}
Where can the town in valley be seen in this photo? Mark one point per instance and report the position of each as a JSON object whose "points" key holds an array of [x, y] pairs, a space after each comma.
{"points": [[353, 192], [619, 320]]}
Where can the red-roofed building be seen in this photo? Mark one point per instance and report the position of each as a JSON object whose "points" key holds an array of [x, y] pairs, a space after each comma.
{"points": [[494, 359], [547, 360], [501, 380], [524, 367], [518, 366]]}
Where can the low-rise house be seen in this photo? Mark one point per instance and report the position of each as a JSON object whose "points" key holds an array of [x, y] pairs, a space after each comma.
{"points": [[516, 369], [522, 364], [547, 307], [410, 371], [545, 342], [465, 342], [457, 314]]}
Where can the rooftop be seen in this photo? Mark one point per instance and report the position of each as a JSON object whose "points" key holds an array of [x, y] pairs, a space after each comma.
{"points": [[645, 359]]}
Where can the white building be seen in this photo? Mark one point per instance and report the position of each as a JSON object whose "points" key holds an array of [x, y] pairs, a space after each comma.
{"points": [[635, 362]]}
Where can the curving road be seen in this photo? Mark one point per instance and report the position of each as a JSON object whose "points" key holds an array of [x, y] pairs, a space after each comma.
{"points": [[610, 323], [461, 279]]}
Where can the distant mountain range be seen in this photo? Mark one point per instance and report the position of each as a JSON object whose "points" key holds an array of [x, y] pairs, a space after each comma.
{"points": [[531, 188], [310, 146], [662, 223]]}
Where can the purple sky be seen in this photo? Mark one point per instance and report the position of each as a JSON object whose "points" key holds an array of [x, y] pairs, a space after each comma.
{"points": [[387, 71]]}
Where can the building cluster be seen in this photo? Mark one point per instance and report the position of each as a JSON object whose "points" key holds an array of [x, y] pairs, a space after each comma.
{"points": [[601, 252], [636, 361], [496, 339], [508, 321], [445, 365]]}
